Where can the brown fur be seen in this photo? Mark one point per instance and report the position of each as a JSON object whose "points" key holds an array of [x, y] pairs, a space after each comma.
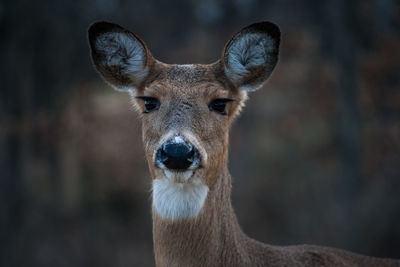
{"points": [[186, 94], [214, 237]]}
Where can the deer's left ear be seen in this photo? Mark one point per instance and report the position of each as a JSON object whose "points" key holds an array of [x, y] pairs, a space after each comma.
{"points": [[251, 55]]}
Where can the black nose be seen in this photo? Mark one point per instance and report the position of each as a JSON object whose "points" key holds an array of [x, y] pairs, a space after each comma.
{"points": [[177, 156]]}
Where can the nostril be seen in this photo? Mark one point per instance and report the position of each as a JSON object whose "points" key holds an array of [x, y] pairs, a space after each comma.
{"points": [[178, 156], [163, 157], [190, 156]]}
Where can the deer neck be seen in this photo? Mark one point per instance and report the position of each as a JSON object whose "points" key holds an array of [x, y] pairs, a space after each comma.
{"points": [[212, 238]]}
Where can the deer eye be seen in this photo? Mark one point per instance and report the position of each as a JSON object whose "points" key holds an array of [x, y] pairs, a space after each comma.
{"points": [[219, 105], [150, 103]]}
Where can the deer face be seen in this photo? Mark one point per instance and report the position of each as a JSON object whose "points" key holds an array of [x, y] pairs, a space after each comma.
{"points": [[186, 110], [186, 116]]}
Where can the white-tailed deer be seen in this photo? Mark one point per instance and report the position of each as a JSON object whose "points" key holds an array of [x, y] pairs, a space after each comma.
{"points": [[186, 113]]}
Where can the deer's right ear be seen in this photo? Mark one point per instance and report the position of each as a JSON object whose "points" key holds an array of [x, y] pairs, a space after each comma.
{"points": [[251, 55], [120, 57]]}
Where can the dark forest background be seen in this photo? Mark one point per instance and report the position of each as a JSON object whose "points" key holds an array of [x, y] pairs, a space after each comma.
{"points": [[315, 156]]}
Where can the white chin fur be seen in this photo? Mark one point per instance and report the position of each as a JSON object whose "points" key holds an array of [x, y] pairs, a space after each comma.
{"points": [[173, 200]]}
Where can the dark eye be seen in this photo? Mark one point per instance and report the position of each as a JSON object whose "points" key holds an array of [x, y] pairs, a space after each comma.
{"points": [[219, 105], [150, 103]]}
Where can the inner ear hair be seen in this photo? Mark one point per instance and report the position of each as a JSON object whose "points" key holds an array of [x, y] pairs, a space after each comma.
{"points": [[251, 55], [120, 57]]}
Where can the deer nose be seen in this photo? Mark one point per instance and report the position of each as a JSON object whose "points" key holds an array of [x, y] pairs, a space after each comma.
{"points": [[177, 156]]}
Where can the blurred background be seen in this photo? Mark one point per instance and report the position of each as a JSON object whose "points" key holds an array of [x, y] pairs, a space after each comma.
{"points": [[315, 156]]}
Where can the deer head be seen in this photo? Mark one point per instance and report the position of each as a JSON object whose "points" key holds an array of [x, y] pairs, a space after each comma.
{"points": [[186, 110]]}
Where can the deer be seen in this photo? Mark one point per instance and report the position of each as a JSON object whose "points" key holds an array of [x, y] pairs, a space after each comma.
{"points": [[186, 113]]}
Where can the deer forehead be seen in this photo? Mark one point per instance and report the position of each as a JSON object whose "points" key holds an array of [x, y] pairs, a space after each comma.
{"points": [[188, 81]]}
